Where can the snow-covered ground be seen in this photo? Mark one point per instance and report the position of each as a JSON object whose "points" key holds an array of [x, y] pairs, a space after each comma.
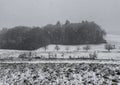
{"points": [[66, 51], [113, 38], [105, 70], [59, 74]]}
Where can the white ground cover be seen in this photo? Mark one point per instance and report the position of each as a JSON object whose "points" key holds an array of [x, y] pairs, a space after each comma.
{"points": [[101, 52], [59, 74], [67, 51]]}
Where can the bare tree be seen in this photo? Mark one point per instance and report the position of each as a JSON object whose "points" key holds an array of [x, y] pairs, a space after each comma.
{"points": [[93, 55], [78, 48], [67, 49], [109, 47], [87, 47], [45, 48], [57, 47]]}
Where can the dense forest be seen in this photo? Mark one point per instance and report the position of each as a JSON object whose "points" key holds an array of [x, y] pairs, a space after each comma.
{"points": [[30, 38]]}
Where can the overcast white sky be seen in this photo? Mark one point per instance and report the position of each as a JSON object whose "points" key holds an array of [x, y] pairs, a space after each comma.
{"points": [[106, 13]]}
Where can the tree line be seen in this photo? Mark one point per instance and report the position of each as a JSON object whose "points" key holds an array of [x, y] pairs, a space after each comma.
{"points": [[31, 38]]}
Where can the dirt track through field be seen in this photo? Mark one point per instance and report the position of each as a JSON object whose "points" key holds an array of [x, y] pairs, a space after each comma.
{"points": [[67, 61]]}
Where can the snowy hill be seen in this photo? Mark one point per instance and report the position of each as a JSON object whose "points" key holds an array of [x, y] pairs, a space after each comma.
{"points": [[68, 49], [113, 38]]}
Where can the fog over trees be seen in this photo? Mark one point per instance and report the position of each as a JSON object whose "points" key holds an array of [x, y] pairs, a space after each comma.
{"points": [[30, 38]]}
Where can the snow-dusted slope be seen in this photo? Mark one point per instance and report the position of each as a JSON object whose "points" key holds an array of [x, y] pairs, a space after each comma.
{"points": [[113, 38], [68, 49]]}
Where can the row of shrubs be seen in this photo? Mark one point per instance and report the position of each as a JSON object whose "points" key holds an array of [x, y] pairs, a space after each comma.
{"points": [[54, 56]]}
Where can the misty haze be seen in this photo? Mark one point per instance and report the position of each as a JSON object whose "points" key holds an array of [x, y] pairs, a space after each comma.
{"points": [[106, 13], [59, 42]]}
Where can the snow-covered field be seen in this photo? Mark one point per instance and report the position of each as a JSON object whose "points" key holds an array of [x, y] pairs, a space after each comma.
{"points": [[67, 69], [113, 38], [69, 51], [59, 74]]}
